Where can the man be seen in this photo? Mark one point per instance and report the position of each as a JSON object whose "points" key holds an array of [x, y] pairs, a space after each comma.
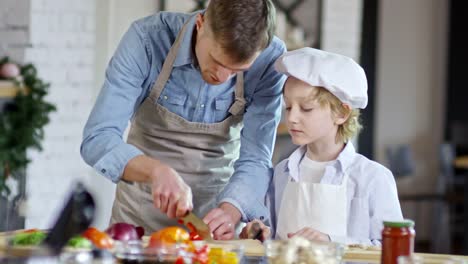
{"points": [[204, 103]]}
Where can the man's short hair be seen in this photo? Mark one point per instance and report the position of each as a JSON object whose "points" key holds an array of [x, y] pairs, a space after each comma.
{"points": [[242, 27]]}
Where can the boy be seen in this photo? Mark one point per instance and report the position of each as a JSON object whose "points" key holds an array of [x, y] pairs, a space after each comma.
{"points": [[325, 191]]}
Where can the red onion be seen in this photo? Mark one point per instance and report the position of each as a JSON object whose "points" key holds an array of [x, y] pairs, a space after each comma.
{"points": [[125, 232], [140, 231]]}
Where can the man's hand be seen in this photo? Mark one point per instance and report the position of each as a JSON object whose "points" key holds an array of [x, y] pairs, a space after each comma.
{"points": [[310, 234], [247, 232], [170, 193], [222, 221]]}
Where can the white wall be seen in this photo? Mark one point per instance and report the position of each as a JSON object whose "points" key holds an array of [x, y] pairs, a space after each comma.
{"points": [[14, 28], [113, 20], [341, 27], [411, 83], [61, 45]]}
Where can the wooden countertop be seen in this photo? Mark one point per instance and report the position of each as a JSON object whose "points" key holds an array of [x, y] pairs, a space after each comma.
{"points": [[461, 162], [253, 248]]}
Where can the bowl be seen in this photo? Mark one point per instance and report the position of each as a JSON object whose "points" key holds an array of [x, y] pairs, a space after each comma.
{"points": [[136, 252], [226, 252], [301, 250]]}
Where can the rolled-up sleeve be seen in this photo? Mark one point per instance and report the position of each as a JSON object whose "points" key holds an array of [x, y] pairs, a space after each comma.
{"points": [[253, 170], [103, 146]]}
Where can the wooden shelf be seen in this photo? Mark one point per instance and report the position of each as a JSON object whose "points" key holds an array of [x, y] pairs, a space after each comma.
{"points": [[8, 89]]}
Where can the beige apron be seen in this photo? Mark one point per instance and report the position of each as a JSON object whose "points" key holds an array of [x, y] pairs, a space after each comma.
{"points": [[202, 153], [315, 205]]}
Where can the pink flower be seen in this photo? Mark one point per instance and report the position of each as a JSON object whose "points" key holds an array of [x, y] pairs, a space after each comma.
{"points": [[9, 70]]}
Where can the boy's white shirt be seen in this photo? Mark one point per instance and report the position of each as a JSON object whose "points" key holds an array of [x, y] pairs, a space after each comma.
{"points": [[371, 192], [311, 170]]}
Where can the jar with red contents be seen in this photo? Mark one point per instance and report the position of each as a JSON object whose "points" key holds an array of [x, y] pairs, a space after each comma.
{"points": [[397, 240]]}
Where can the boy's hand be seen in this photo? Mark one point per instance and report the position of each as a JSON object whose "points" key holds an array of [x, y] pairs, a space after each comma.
{"points": [[311, 234], [248, 234]]}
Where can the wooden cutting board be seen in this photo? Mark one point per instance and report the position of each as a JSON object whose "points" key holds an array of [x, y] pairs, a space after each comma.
{"points": [[251, 248]]}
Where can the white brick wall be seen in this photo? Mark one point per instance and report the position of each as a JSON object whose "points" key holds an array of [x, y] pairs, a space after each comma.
{"points": [[341, 27], [14, 28], [58, 37], [63, 40]]}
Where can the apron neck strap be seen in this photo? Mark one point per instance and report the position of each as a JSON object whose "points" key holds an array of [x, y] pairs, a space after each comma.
{"points": [[168, 64], [237, 108]]}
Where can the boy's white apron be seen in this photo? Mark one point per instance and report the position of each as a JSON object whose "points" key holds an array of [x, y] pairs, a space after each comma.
{"points": [[322, 207]]}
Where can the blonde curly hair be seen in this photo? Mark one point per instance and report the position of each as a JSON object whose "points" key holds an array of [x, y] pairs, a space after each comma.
{"points": [[352, 126]]}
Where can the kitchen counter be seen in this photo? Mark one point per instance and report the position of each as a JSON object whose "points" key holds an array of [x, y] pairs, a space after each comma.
{"points": [[254, 253]]}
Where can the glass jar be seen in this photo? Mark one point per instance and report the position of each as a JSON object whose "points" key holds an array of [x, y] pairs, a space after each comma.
{"points": [[397, 240]]}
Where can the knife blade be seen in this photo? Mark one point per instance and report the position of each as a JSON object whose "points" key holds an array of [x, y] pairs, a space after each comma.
{"points": [[194, 223]]}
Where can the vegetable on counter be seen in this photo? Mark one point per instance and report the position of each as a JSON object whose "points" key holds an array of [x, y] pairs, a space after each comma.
{"points": [[221, 256], [125, 232], [80, 242], [169, 235], [201, 253], [31, 237], [34, 237], [98, 238]]}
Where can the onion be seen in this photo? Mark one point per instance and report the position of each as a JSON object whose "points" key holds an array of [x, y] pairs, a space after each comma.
{"points": [[140, 230], [125, 232]]}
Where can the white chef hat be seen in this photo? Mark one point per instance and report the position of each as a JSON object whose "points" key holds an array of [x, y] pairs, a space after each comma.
{"points": [[339, 74]]}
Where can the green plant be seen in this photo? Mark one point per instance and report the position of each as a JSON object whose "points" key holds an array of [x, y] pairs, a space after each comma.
{"points": [[22, 123]]}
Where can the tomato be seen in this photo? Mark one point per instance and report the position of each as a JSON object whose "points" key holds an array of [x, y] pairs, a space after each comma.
{"points": [[100, 239], [169, 235]]}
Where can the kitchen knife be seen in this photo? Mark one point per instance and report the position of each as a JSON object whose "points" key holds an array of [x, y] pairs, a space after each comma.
{"points": [[194, 223]]}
